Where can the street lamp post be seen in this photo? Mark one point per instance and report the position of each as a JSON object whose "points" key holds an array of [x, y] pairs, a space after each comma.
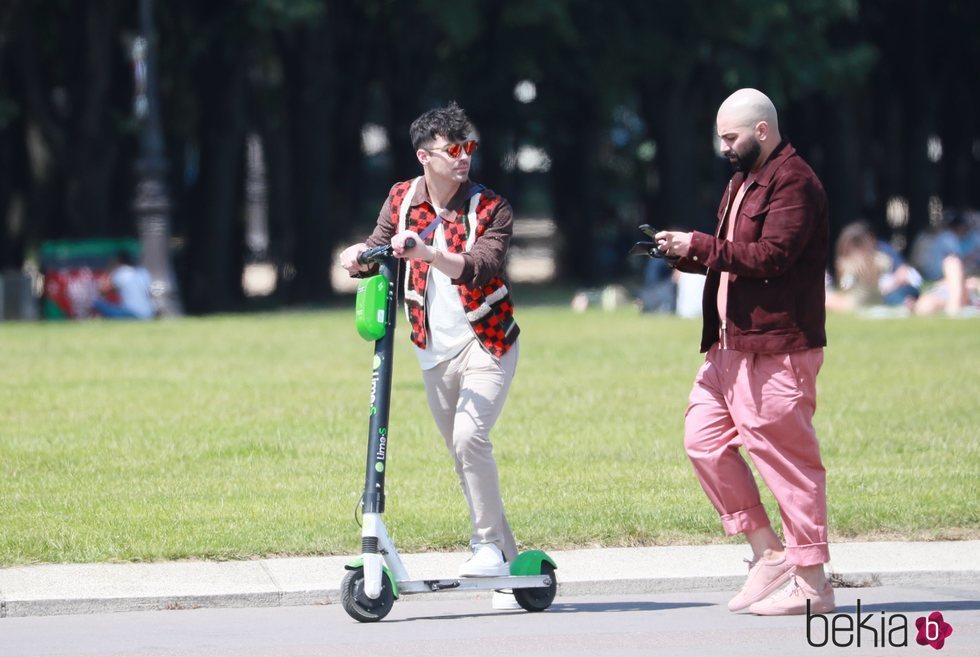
{"points": [[151, 202]]}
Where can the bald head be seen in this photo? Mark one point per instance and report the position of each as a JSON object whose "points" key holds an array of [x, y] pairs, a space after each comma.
{"points": [[746, 107], [748, 119]]}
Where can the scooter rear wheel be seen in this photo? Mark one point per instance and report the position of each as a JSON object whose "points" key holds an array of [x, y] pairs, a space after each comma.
{"points": [[540, 598], [356, 603]]}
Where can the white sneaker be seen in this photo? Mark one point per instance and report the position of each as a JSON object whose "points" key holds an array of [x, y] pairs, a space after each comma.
{"points": [[487, 561], [504, 600]]}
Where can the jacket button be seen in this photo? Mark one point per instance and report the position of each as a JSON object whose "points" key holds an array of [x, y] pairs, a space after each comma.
{"points": [[695, 258]]}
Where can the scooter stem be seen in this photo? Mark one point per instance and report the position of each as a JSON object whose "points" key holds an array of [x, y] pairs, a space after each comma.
{"points": [[373, 535], [384, 348]]}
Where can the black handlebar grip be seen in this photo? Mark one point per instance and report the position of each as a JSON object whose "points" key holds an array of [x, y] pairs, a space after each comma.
{"points": [[368, 256], [376, 253]]}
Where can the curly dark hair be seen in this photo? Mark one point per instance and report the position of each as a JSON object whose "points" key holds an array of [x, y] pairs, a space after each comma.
{"points": [[451, 122]]}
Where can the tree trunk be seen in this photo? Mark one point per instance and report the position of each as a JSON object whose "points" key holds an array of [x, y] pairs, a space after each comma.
{"points": [[94, 150], [305, 65], [348, 31], [217, 234], [679, 161], [573, 150], [271, 121], [843, 175], [45, 138]]}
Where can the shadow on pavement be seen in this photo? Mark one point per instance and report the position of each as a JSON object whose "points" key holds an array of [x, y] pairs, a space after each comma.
{"points": [[567, 608], [603, 607], [912, 606]]}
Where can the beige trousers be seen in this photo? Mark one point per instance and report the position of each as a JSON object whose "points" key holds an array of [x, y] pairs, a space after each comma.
{"points": [[466, 395]]}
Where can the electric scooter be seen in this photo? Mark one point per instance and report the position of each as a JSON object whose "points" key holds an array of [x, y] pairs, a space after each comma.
{"points": [[378, 577]]}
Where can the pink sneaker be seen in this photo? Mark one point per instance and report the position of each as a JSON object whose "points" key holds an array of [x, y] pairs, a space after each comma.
{"points": [[792, 601], [765, 576]]}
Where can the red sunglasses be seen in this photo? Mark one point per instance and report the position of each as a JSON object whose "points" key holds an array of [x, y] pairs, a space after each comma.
{"points": [[455, 150]]}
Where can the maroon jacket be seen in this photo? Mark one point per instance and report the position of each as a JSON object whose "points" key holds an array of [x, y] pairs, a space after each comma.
{"points": [[776, 262]]}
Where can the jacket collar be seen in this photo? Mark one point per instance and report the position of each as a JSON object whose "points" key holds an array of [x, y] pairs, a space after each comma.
{"points": [[455, 203], [764, 175]]}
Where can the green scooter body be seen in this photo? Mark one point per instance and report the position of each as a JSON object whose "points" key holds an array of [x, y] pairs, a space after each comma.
{"points": [[371, 306]]}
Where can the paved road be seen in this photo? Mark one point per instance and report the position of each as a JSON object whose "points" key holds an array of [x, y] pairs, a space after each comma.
{"points": [[674, 624], [49, 589]]}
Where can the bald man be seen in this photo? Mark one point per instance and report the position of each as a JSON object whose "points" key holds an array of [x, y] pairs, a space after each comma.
{"points": [[763, 336]]}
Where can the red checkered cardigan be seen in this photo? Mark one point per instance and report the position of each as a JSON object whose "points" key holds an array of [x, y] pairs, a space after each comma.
{"points": [[487, 306]]}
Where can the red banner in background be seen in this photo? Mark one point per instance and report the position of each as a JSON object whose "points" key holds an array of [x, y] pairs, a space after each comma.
{"points": [[74, 273]]}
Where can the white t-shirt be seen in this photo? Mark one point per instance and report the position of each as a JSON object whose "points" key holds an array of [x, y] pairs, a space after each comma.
{"points": [[133, 285], [449, 330]]}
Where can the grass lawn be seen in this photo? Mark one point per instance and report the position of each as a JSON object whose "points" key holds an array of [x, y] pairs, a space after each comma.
{"points": [[236, 436]]}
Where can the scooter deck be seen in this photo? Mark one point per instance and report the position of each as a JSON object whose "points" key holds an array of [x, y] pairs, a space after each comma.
{"points": [[474, 584]]}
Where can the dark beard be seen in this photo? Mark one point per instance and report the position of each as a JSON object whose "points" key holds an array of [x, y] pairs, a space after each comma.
{"points": [[747, 161]]}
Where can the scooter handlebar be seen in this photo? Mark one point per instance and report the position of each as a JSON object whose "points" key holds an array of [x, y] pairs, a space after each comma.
{"points": [[374, 254], [378, 253]]}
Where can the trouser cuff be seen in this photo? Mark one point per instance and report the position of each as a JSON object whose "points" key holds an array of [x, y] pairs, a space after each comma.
{"points": [[813, 554], [744, 521]]}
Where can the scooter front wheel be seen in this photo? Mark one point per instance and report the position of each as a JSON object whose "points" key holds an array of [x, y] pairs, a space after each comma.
{"points": [[540, 598], [360, 607]]}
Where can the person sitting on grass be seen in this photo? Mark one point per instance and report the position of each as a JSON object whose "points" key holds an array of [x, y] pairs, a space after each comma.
{"points": [[870, 272], [950, 260], [125, 291]]}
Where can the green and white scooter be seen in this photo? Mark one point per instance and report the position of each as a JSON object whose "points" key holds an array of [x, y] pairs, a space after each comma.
{"points": [[377, 578]]}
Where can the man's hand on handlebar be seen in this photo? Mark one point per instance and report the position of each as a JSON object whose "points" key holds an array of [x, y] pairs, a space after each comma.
{"points": [[348, 259], [407, 244], [358, 259]]}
